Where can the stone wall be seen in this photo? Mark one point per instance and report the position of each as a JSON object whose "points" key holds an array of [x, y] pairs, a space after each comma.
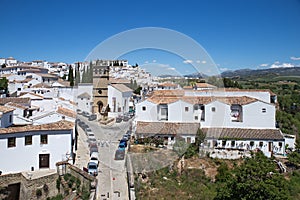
{"points": [[29, 187], [45, 184]]}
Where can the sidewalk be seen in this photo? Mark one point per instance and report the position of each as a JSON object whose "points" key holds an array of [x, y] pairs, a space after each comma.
{"points": [[82, 153]]}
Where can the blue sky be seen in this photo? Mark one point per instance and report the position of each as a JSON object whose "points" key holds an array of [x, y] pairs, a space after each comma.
{"points": [[235, 33]]}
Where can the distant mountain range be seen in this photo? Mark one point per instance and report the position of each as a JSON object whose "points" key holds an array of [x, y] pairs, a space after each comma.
{"points": [[246, 73]]}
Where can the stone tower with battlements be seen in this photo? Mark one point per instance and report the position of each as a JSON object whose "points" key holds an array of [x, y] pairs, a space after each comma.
{"points": [[100, 89]]}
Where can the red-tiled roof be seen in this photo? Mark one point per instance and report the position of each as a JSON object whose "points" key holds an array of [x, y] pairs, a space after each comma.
{"points": [[5, 109], [61, 125], [240, 133], [166, 128], [66, 112], [17, 100]]}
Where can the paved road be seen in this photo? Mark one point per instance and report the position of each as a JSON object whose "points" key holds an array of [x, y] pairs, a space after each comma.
{"points": [[112, 178]]}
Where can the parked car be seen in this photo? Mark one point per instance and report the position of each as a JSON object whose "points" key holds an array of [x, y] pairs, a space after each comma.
{"points": [[92, 117], [125, 137], [122, 147], [86, 114], [119, 155], [92, 168], [123, 142], [92, 141], [118, 119], [88, 130], [94, 158], [93, 148], [80, 123], [84, 126], [126, 118]]}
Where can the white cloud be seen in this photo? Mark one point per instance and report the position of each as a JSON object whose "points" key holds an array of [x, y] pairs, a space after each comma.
{"points": [[198, 61], [203, 62], [154, 61], [223, 69], [277, 62], [264, 65], [283, 65], [187, 61], [146, 62], [294, 58], [171, 68]]}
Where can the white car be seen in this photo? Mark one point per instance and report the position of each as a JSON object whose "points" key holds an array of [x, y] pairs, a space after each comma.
{"points": [[94, 158]]}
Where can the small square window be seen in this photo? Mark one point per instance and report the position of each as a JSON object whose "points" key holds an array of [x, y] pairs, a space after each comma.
{"points": [[44, 139], [144, 108], [11, 142], [213, 109], [264, 110], [28, 140], [201, 107], [196, 117], [186, 109], [261, 144]]}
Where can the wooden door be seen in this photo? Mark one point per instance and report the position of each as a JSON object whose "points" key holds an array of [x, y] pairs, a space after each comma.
{"points": [[44, 160]]}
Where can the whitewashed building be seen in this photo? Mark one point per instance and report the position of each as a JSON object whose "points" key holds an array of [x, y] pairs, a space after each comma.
{"points": [[249, 113], [30, 147], [118, 99], [6, 116]]}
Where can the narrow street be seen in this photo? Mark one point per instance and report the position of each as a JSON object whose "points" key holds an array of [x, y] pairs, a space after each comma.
{"points": [[112, 177]]}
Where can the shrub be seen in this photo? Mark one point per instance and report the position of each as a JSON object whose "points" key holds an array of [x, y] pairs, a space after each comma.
{"points": [[38, 193]]}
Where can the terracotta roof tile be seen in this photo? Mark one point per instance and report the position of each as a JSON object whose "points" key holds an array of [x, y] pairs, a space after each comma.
{"points": [[5, 109], [205, 85], [23, 101], [166, 128], [240, 133], [167, 84], [66, 112], [122, 87], [61, 125], [16, 105]]}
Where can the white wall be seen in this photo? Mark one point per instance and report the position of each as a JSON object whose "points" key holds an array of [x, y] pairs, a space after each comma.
{"points": [[149, 115], [252, 116], [177, 113], [22, 158], [122, 99], [219, 118], [245, 144], [84, 104]]}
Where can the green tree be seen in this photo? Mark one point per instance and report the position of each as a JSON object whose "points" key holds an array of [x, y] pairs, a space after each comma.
{"points": [[256, 178], [71, 76], [4, 85], [294, 159], [77, 74]]}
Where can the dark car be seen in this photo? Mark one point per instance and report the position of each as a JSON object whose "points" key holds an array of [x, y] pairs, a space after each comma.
{"points": [[92, 117], [126, 118], [118, 119], [123, 141], [119, 155], [88, 129], [80, 123]]}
